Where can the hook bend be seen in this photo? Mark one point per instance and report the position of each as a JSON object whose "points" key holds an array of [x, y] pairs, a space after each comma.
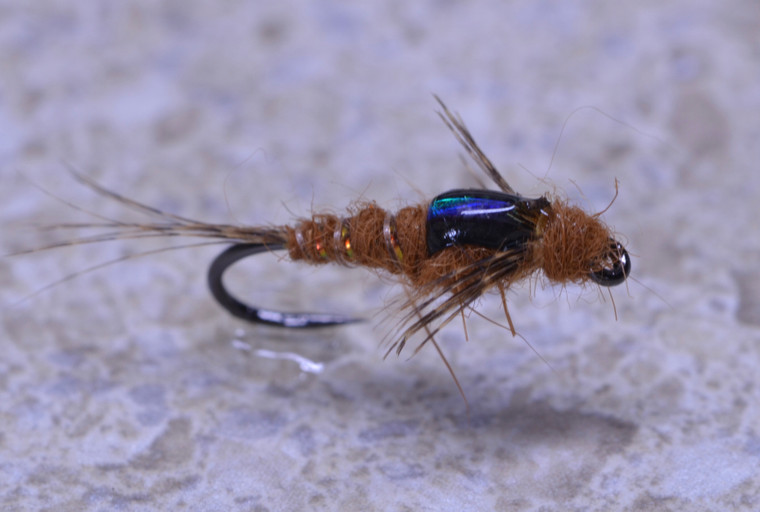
{"points": [[259, 315]]}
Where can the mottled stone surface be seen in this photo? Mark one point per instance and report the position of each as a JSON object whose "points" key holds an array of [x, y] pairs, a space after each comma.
{"points": [[128, 388]]}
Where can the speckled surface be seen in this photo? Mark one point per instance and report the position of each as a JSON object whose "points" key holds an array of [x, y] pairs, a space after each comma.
{"points": [[128, 388]]}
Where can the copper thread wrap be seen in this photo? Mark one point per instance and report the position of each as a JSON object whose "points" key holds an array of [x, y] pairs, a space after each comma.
{"points": [[363, 239]]}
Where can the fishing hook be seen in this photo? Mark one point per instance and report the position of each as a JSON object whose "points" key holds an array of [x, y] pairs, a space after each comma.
{"points": [[234, 306]]}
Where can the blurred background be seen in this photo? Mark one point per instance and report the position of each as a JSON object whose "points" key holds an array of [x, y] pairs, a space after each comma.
{"points": [[129, 387]]}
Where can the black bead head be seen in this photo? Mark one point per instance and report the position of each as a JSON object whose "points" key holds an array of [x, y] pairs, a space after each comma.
{"points": [[618, 266]]}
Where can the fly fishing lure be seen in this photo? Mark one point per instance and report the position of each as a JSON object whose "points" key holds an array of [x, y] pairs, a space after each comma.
{"points": [[463, 243], [447, 252]]}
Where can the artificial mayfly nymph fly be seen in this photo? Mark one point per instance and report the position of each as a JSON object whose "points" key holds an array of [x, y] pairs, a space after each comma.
{"points": [[447, 252]]}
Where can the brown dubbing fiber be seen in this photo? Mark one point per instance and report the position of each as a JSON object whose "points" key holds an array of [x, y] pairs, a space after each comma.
{"points": [[572, 244], [368, 242], [370, 246]]}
